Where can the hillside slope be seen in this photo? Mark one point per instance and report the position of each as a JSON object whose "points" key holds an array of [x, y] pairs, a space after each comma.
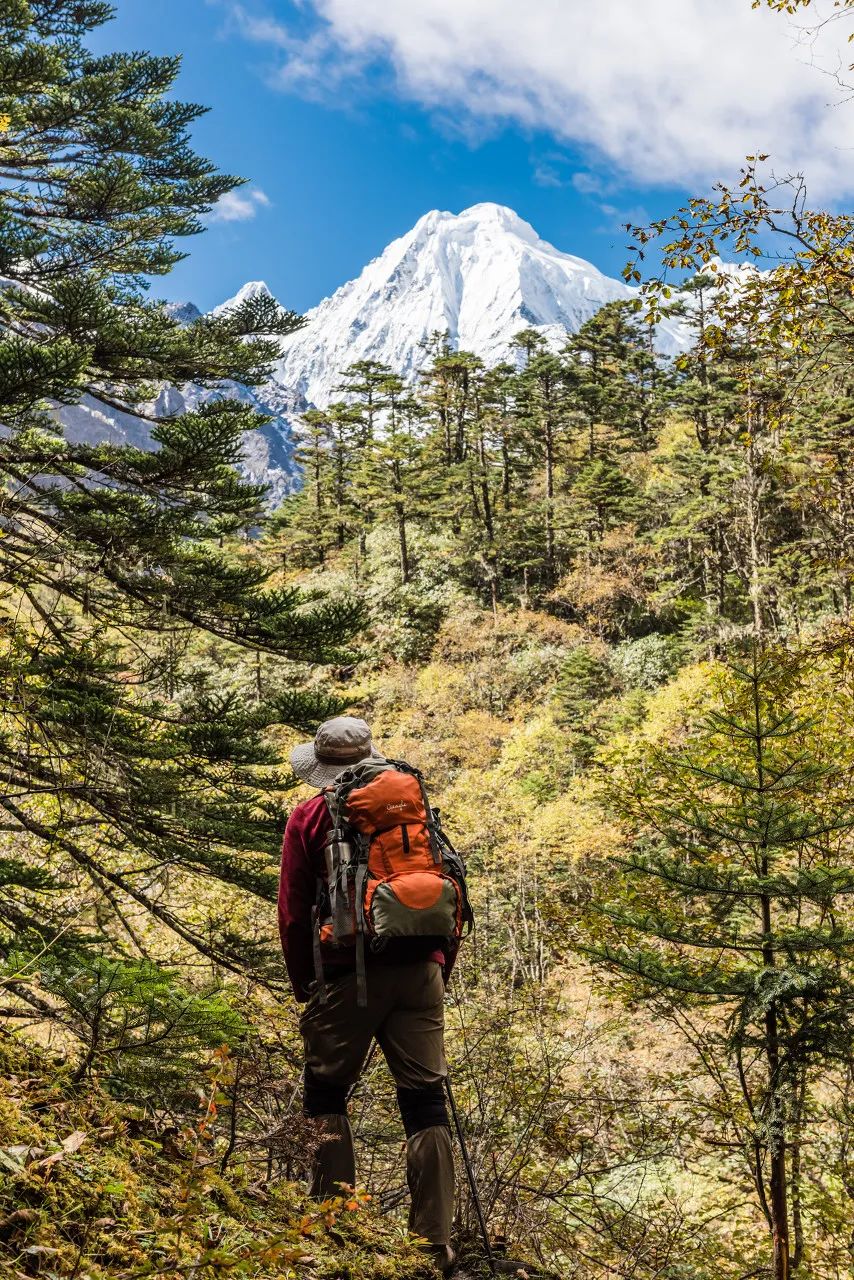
{"points": [[94, 1187]]}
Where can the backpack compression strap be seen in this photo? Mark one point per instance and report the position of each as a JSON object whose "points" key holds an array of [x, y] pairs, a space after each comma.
{"points": [[335, 798], [361, 974], [319, 975]]}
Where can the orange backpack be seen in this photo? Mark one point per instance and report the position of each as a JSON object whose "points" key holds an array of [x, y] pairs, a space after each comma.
{"points": [[391, 871]]}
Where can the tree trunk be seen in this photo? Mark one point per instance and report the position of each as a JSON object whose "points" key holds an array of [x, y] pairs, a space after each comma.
{"points": [[550, 493], [485, 498], [401, 537], [400, 515], [462, 412], [721, 568], [775, 1104], [318, 507], [753, 531], [777, 1145], [709, 600], [339, 497], [795, 1148], [505, 471]]}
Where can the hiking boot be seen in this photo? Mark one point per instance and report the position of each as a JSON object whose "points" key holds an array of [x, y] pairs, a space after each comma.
{"points": [[444, 1258]]}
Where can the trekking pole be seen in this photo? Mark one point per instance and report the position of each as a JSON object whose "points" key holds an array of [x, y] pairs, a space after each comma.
{"points": [[475, 1194]]}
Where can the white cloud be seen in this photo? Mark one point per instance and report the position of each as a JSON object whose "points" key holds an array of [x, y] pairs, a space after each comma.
{"points": [[547, 175], [239, 205], [587, 184], [552, 169], [662, 90]]}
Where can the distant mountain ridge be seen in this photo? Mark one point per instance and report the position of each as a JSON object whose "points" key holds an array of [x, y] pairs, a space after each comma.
{"points": [[479, 276]]}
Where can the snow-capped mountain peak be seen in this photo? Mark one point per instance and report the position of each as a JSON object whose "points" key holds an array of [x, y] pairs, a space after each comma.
{"points": [[485, 216], [183, 312], [252, 289], [479, 276]]}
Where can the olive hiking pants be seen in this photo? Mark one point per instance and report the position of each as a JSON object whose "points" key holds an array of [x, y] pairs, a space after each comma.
{"points": [[405, 1013]]}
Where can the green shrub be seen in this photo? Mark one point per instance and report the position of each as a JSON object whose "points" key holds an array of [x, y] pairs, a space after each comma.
{"points": [[648, 662]]}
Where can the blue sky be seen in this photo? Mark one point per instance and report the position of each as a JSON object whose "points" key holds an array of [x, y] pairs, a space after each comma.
{"points": [[352, 118]]}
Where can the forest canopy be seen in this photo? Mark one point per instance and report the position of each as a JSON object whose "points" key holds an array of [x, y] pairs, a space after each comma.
{"points": [[601, 598]]}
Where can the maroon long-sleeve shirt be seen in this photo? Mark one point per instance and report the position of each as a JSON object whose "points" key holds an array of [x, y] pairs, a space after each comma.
{"points": [[303, 863]]}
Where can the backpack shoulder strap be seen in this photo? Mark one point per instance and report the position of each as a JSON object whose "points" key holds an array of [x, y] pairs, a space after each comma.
{"points": [[328, 794]]}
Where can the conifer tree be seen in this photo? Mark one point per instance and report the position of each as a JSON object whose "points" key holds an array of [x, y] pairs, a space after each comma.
{"points": [[618, 381], [504, 430], [702, 513], [619, 391], [451, 378], [398, 468], [364, 381], [820, 460], [734, 902], [544, 409], [345, 441], [123, 787], [306, 523]]}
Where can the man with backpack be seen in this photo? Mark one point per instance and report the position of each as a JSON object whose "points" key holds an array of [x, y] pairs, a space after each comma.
{"points": [[372, 904]]}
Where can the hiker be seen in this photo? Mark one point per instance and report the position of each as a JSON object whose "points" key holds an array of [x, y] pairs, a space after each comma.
{"points": [[342, 921]]}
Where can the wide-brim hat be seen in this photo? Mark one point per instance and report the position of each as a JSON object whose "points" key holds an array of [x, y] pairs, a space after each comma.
{"points": [[339, 744]]}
